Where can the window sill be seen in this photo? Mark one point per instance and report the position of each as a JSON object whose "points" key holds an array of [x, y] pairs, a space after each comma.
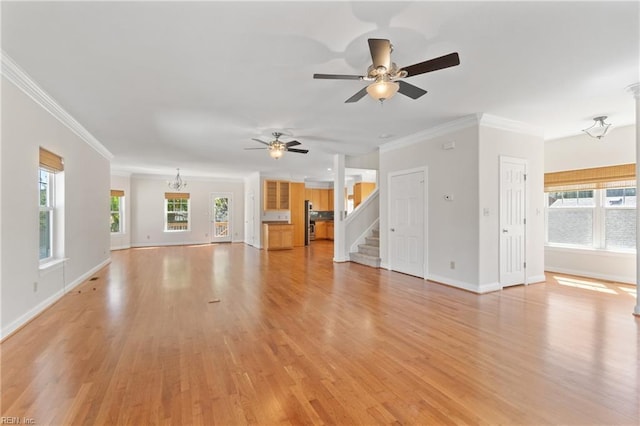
{"points": [[51, 265], [177, 231], [589, 250]]}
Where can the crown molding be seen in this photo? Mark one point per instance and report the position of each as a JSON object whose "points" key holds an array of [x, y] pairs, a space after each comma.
{"points": [[480, 119], [501, 123], [439, 130], [24, 82]]}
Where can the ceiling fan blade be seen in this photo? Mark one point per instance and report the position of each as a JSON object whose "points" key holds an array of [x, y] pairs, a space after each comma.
{"points": [[258, 140], [380, 52], [357, 96], [301, 151], [292, 143], [446, 61], [414, 92], [255, 148], [337, 77]]}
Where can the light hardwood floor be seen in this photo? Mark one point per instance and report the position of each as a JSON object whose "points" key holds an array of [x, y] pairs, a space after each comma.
{"points": [[297, 339]]}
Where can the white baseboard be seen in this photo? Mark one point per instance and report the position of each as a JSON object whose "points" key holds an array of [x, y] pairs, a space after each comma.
{"points": [[124, 247], [179, 243], [587, 274], [488, 288], [40, 307], [474, 288], [536, 279]]}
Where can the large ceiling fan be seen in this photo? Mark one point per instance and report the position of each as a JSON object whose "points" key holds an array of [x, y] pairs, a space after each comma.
{"points": [[386, 76], [277, 148]]}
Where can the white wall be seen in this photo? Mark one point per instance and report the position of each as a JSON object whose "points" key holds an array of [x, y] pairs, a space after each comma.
{"points": [[26, 290], [463, 160], [147, 210], [583, 152], [364, 161], [578, 152], [253, 195], [122, 240], [452, 225], [496, 142]]}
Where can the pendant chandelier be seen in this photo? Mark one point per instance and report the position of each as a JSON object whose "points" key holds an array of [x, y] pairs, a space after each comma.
{"points": [[177, 184]]}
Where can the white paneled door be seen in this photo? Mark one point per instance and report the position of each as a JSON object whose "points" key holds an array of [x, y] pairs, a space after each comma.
{"points": [[513, 172], [407, 223], [220, 218]]}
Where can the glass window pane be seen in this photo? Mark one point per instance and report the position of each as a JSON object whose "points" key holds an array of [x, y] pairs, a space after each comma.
{"points": [[45, 234], [115, 222], [570, 226], [619, 197], [44, 188], [221, 209], [620, 228], [571, 199]]}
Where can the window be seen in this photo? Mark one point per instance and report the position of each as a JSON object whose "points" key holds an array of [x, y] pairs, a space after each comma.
{"points": [[620, 218], [117, 211], [177, 212], [592, 208], [570, 217], [46, 183], [50, 176]]}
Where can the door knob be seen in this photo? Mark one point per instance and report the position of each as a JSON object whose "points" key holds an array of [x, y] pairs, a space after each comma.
{"points": [[393, 230], [504, 231]]}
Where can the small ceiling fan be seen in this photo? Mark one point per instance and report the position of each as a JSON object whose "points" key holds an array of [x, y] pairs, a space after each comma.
{"points": [[277, 148], [386, 76]]}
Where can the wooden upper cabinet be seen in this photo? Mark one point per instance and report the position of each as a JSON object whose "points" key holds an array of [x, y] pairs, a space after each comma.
{"points": [[324, 200], [361, 191], [276, 195], [283, 195], [315, 199], [321, 199]]}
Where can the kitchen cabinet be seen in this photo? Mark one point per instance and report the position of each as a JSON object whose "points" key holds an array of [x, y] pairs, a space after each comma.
{"points": [[321, 200], [321, 230], [330, 230], [361, 191], [276, 195], [324, 200], [277, 236], [315, 199], [297, 193]]}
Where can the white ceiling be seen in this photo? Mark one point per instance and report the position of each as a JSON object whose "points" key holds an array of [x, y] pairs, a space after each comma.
{"points": [[173, 84]]}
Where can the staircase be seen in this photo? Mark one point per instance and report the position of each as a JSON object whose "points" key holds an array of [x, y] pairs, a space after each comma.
{"points": [[369, 252]]}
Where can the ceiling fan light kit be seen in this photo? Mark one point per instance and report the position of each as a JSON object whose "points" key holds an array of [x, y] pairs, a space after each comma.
{"points": [[599, 128], [382, 90], [387, 77], [276, 151]]}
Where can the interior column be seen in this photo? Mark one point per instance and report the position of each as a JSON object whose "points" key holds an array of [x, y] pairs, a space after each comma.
{"points": [[339, 214], [635, 90]]}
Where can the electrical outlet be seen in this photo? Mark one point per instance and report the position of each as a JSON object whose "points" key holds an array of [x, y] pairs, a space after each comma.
{"points": [[35, 286], [452, 264]]}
